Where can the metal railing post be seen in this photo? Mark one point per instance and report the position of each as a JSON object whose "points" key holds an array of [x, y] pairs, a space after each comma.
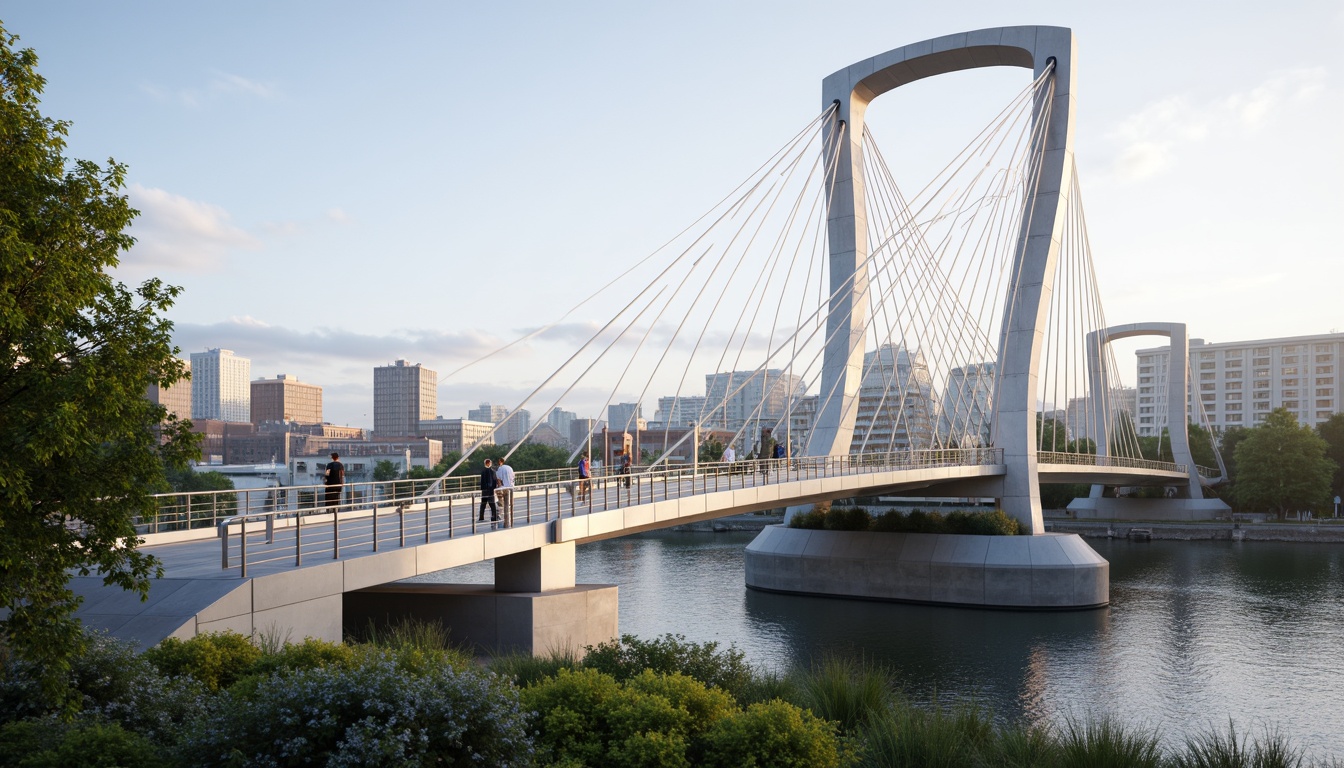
{"points": [[450, 519], [242, 549], [335, 534], [401, 522], [298, 540], [375, 526], [224, 542]]}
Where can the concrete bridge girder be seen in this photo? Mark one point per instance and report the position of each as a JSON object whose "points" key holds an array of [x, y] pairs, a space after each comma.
{"points": [[1032, 276]]}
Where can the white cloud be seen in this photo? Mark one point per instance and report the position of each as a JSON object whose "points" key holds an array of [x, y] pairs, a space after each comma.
{"points": [[1149, 141], [221, 84], [337, 215], [177, 233]]}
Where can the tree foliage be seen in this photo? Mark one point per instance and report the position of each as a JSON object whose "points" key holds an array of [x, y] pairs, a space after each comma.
{"points": [[385, 470], [79, 454], [1282, 466], [1332, 432]]}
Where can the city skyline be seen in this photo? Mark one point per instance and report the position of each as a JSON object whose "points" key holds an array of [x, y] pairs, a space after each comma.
{"points": [[293, 223]]}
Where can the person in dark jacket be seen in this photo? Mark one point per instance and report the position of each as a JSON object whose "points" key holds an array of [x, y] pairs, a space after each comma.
{"points": [[334, 479], [489, 482]]}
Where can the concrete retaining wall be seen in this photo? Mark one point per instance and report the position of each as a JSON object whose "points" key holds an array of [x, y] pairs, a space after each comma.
{"points": [[1223, 531], [1048, 571]]}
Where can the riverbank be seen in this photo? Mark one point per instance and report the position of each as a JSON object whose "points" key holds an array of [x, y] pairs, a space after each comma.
{"points": [[1216, 530], [751, 522]]}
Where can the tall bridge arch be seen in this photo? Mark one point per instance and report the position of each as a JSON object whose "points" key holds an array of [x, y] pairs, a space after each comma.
{"points": [[1178, 408], [1038, 48]]}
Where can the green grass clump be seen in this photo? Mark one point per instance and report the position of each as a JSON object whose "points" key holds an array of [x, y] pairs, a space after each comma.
{"points": [[524, 669], [845, 691]]}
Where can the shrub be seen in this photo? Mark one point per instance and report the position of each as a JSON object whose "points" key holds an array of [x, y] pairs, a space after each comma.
{"points": [[109, 681], [216, 660], [586, 717], [919, 521], [374, 711], [298, 657], [51, 743], [813, 520], [727, 669], [995, 523], [848, 519], [775, 734]]}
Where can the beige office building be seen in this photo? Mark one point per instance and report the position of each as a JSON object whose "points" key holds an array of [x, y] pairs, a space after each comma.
{"points": [[457, 434], [176, 398], [286, 399]]}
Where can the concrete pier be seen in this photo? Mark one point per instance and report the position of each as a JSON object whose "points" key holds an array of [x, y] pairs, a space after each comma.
{"points": [[1047, 571]]}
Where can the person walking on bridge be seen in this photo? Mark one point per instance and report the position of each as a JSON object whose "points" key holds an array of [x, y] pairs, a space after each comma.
{"points": [[334, 478], [505, 474], [585, 477], [488, 484]]}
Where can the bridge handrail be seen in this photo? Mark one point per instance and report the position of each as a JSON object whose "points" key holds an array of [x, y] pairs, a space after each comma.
{"points": [[1092, 460], [178, 511], [1209, 472]]}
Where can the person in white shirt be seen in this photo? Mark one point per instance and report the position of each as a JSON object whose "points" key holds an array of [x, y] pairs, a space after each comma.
{"points": [[505, 491], [729, 455]]}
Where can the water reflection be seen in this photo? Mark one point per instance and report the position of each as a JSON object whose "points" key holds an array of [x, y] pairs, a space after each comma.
{"points": [[1197, 632]]}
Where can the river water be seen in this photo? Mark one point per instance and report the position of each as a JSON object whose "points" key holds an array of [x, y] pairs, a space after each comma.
{"points": [[1196, 633]]}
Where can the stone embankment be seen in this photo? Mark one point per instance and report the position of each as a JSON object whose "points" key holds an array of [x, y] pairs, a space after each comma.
{"points": [[1222, 530], [751, 522]]}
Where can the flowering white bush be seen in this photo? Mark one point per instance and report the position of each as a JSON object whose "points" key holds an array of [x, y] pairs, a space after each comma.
{"points": [[372, 712]]}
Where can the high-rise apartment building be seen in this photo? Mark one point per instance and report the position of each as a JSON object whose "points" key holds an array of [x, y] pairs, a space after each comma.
{"points": [[682, 411], [487, 412], [286, 399], [403, 396], [898, 410], [1084, 423], [625, 416], [561, 419], [176, 398], [1237, 383], [968, 406], [736, 397], [221, 386]]}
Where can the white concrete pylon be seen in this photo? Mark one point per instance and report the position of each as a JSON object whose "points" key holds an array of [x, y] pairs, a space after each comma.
{"points": [[1178, 410], [1033, 270]]}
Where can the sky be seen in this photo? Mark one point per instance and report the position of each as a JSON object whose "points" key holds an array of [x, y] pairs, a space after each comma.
{"points": [[339, 185]]}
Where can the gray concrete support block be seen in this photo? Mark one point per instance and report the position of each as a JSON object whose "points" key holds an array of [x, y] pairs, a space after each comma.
{"points": [[536, 570], [536, 623]]}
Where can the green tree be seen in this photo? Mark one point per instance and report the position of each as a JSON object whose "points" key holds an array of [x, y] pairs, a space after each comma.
{"points": [[79, 453], [187, 480], [711, 450], [1282, 466], [385, 470], [1332, 432], [1051, 434]]}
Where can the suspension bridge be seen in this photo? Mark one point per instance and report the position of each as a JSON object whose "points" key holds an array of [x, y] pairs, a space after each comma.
{"points": [[949, 342]]}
